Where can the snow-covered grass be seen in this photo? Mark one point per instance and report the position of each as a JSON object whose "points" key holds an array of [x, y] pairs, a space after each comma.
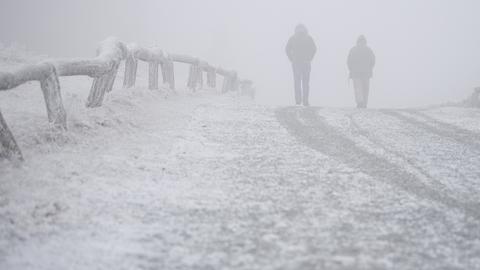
{"points": [[88, 180]]}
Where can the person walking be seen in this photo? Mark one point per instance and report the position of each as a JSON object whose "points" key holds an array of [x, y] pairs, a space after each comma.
{"points": [[301, 50], [361, 61]]}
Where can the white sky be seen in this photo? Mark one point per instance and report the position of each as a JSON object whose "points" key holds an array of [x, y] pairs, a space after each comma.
{"points": [[427, 51]]}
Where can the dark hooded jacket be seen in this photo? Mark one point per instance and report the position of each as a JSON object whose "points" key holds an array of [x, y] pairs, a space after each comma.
{"points": [[300, 47], [361, 60]]}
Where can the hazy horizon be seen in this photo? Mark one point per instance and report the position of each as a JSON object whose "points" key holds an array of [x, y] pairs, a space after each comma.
{"points": [[427, 52]]}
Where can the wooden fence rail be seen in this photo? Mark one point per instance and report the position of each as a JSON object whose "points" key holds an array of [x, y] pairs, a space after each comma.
{"points": [[103, 69]]}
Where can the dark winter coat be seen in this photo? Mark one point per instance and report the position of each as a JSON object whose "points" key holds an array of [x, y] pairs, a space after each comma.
{"points": [[361, 61], [301, 48]]}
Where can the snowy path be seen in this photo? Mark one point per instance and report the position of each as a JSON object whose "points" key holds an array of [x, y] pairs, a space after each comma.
{"points": [[313, 130], [232, 185]]}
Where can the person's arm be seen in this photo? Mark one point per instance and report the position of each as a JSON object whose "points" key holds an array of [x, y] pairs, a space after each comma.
{"points": [[288, 49], [313, 47]]}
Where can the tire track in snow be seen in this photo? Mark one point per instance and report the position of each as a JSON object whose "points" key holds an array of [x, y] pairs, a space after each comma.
{"points": [[411, 161], [447, 126], [355, 127], [311, 129], [449, 131], [449, 159]]}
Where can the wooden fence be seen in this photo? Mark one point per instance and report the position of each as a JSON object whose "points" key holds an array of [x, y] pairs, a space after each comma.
{"points": [[103, 69]]}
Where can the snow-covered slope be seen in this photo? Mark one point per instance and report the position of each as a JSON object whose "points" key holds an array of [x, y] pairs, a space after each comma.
{"points": [[203, 181], [64, 184]]}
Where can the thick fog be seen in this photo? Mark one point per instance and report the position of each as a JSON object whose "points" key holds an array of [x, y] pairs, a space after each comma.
{"points": [[428, 52]]}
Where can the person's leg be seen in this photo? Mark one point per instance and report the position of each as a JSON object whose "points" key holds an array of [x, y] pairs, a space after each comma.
{"points": [[366, 91], [306, 83], [357, 86], [297, 76]]}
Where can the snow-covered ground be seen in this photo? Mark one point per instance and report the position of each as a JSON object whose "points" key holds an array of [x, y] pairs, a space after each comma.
{"points": [[204, 181]]}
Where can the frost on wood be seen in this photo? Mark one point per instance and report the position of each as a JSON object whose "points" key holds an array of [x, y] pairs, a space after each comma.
{"points": [[8, 146], [197, 67], [131, 64], [112, 77], [87, 67], [211, 77], [47, 75], [183, 59], [153, 75], [53, 99], [168, 71], [226, 84], [154, 57], [10, 80], [100, 86], [200, 78], [103, 68], [194, 76], [111, 52], [230, 80], [153, 68], [149, 55]]}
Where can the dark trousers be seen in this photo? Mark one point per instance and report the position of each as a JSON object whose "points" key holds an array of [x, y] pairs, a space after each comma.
{"points": [[301, 78]]}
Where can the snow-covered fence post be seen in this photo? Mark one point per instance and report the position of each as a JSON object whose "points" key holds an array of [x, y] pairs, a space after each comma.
{"points": [[193, 76], [203, 67], [226, 84], [8, 146], [230, 80], [195, 72], [168, 70], [53, 98], [234, 81], [111, 53], [101, 85], [225, 74], [153, 75], [164, 72], [131, 65], [154, 57], [46, 74], [200, 78], [113, 75], [211, 77]]}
